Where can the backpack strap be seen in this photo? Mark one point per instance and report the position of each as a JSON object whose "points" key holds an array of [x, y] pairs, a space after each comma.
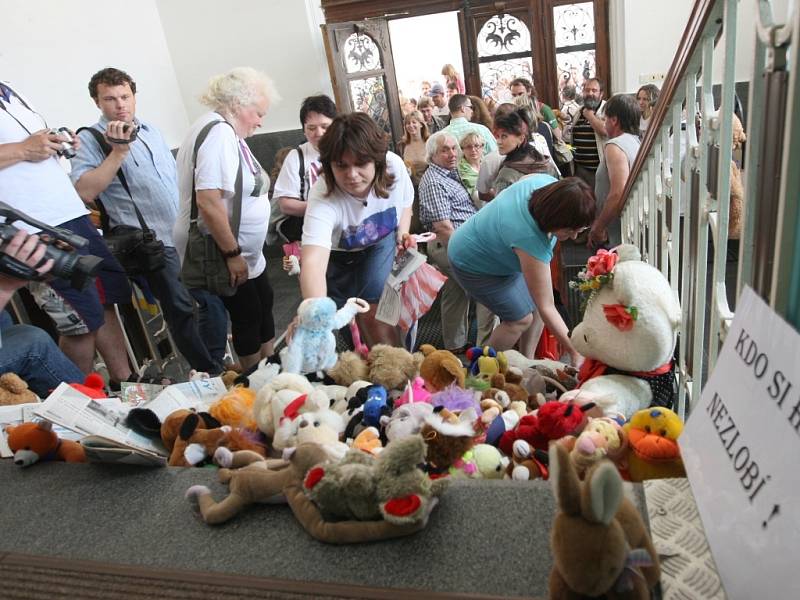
{"points": [[302, 167], [106, 148], [237, 192]]}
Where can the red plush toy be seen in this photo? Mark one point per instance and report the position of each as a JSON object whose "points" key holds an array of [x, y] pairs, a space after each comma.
{"points": [[553, 421], [93, 386], [34, 442]]}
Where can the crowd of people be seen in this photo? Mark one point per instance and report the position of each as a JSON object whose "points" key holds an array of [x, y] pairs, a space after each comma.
{"points": [[498, 185]]}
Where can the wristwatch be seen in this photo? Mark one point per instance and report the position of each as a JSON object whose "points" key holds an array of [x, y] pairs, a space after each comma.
{"points": [[232, 253]]}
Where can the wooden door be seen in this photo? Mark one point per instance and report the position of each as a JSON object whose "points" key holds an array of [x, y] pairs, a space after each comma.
{"points": [[362, 72]]}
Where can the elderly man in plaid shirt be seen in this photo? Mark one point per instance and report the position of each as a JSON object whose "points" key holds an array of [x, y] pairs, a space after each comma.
{"points": [[444, 205]]}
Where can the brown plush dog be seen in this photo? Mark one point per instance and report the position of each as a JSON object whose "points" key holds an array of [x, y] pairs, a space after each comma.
{"points": [[251, 481], [440, 368], [599, 542]]}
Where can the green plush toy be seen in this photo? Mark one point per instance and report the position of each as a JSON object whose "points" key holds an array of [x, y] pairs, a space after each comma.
{"points": [[388, 487]]}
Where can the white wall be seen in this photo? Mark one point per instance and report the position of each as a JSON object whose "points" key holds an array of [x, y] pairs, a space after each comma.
{"points": [[51, 49], [645, 35], [207, 37]]}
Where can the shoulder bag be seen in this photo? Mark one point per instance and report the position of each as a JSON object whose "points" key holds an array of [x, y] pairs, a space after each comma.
{"points": [[204, 267]]}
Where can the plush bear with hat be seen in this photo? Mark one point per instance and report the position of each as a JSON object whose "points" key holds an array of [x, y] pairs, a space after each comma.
{"points": [[628, 332]]}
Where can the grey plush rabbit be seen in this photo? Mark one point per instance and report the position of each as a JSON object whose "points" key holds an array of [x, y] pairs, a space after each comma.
{"points": [[600, 546]]}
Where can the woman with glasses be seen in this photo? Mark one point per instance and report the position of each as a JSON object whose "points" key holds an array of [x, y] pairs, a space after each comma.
{"points": [[219, 175], [501, 256], [358, 217], [470, 164]]}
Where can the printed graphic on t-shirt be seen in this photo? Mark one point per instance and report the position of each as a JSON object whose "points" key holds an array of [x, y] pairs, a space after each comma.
{"points": [[314, 169], [373, 229]]}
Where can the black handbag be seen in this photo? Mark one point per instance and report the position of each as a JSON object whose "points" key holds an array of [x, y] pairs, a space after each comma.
{"points": [[138, 250], [204, 266]]}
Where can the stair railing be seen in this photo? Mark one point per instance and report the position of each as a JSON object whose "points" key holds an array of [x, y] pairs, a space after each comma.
{"points": [[678, 194]]}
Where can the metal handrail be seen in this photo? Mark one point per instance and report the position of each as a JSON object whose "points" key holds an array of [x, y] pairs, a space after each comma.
{"points": [[677, 198]]}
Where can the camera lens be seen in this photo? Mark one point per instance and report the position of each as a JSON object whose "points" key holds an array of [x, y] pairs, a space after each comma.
{"points": [[78, 270]]}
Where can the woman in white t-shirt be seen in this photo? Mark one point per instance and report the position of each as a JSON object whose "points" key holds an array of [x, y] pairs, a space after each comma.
{"points": [[239, 100], [316, 115], [358, 216]]}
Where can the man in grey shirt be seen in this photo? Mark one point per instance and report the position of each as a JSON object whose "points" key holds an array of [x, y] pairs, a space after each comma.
{"points": [[622, 126], [138, 151]]}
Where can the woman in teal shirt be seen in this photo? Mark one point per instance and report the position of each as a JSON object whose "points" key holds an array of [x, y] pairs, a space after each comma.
{"points": [[501, 256]]}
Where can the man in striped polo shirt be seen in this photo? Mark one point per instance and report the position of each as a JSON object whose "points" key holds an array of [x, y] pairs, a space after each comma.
{"points": [[589, 132]]}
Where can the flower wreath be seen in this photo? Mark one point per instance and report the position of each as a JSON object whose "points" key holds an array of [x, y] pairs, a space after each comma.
{"points": [[599, 271]]}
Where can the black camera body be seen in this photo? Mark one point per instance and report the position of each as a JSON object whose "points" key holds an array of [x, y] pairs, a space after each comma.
{"points": [[78, 269], [139, 251]]}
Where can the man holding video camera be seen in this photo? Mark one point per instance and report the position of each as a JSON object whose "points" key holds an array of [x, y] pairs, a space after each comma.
{"points": [[26, 350], [33, 182], [126, 167]]}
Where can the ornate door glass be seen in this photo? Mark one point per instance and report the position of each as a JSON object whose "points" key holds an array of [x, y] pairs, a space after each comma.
{"points": [[369, 96], [504, 53], [365, 75], [361, 54], [575, 43]]}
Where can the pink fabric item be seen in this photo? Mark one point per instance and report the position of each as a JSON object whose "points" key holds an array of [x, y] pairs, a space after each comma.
{"points": [[418, 294]]}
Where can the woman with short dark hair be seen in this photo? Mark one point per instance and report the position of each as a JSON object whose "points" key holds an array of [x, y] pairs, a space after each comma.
{"points": [[358, 215], [501, 256]]}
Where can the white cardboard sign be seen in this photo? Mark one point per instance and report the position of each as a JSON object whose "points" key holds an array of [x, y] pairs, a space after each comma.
{"points": [[741, 447]]}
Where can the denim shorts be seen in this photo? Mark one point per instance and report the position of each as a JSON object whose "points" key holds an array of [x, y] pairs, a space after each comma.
{"points": [[507, 296], [112, 286], [361, 273]]}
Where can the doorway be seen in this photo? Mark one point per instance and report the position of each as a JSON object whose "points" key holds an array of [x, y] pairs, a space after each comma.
{"points": [[552, 42], [421, 46]]}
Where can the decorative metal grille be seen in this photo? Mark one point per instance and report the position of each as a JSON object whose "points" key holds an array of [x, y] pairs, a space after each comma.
{"points": [[575, 68], [574, 24], [496, 75], [503, 34], [361, 53], [369, 96]]}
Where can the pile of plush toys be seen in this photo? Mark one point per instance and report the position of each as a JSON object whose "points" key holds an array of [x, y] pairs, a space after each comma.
{"points": [[345, 449]]}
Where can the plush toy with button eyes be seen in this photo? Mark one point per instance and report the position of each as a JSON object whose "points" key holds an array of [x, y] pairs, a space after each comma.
{"points": [[653, 451], [628, 332]]}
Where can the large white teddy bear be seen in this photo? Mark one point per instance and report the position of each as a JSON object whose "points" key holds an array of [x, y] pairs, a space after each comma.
{"points": [[628, 332]]}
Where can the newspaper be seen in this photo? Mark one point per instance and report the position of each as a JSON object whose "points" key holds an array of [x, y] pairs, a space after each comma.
{"points": [[101, 419], [390, 304], [101, 423]]}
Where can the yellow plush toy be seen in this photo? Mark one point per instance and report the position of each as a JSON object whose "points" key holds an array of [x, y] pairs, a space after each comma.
{"points": [[653, 451]]}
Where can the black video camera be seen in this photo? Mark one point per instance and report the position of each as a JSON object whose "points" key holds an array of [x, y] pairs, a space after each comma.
{"points": [[61, 244]]}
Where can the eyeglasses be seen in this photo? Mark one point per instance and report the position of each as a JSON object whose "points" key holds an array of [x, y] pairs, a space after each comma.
{"points": [[473, 147], [467, 106]]}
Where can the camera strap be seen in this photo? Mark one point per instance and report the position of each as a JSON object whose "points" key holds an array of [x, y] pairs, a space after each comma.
{"points": [[106, 148], [237, 192], [21, 101]]}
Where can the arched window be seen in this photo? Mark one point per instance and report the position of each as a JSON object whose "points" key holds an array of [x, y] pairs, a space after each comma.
{"points": [[573, 26], [365, 75], [504, 53]]}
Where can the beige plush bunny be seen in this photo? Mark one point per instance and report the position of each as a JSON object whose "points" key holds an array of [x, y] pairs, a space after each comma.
{"points": [[599, 542]]}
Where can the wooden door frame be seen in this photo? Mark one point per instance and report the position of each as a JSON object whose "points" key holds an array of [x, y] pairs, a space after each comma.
{"points": [[539, 19], [375, 29]]}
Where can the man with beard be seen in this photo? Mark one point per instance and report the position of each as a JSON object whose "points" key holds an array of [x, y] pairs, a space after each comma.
{"points": [[589, 132]]}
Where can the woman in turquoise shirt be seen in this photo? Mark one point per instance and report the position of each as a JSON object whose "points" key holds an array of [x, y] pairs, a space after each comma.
{"points": [[501, 256]]}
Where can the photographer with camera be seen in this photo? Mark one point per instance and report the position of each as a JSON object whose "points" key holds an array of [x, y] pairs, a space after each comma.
{"points": [[26, 350], [33, 181], [126, 167]]}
